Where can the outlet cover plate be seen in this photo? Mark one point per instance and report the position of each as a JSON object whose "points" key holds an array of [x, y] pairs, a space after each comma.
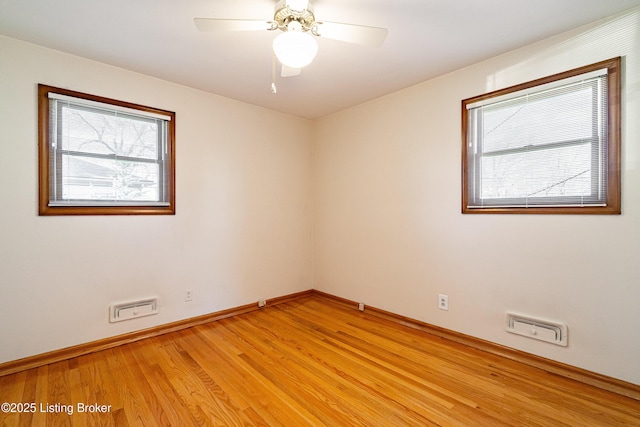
{"points": [[443, 302]]}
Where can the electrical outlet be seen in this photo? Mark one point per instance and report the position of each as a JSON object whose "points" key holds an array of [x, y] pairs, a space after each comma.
{"points": [[443, 302], [188, 295], [361, 306], [262, 303]]}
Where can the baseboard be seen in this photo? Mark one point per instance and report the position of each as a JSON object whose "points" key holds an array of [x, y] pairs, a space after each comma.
{"points": [[586, 377], [561, 369], [38, 360]]}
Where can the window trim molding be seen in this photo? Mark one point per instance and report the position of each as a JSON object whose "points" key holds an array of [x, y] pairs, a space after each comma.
{"points": [[44, 209], [613, 197]]}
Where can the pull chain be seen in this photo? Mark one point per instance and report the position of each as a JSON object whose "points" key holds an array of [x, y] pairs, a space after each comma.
{"points": [[274, 90]]}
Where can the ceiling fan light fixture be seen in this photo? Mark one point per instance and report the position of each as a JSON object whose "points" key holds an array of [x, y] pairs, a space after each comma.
{"points": [[295, 49]]}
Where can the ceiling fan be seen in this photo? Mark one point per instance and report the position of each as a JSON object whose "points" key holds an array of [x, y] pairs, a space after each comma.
{"points": [[296, 46]]}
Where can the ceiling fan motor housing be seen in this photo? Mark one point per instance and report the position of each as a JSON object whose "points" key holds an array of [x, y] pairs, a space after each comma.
{"points": [[284, 15]]}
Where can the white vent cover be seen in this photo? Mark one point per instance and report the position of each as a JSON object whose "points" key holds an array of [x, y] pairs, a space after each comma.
{"points": [[132, 309], [543, 330]]}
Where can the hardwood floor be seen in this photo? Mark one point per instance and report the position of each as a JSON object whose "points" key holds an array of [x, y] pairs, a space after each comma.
{"points": [[306, 362]]}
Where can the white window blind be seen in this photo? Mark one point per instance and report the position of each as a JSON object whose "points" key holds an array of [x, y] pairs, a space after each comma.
{"points": [[106, 155], [542, 146]]}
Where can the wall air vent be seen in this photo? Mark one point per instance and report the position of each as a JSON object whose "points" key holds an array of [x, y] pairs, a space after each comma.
{"points": [[132, 309], [543, 330]]}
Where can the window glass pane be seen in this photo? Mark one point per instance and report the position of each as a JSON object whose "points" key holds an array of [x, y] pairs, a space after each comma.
{"points": [[561, 115], [108, 133], [90, 178], [559, 172]]}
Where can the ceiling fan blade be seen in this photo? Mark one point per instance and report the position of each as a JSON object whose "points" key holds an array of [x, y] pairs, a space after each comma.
{"points": [[358, 34], [212, 24], [289, 72]]}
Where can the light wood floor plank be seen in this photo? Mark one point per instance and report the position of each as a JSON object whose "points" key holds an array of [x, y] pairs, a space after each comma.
{"points": [[307, 362]]}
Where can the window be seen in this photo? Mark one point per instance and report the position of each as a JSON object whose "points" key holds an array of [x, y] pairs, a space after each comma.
{"points": [[547, 146], [99, 156]]}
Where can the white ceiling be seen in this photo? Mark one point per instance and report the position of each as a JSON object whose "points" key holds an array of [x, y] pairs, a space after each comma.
{"points": [[426, 38]]}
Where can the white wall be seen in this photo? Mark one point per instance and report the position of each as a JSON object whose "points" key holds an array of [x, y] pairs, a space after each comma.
{"points": [[388, 229], [241, 231]]}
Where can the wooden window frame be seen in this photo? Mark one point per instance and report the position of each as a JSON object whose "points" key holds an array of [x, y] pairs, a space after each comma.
{"points": [[80, 208], [613, 173]]}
